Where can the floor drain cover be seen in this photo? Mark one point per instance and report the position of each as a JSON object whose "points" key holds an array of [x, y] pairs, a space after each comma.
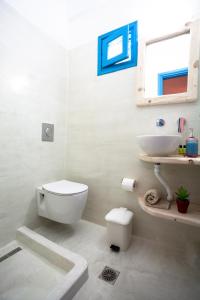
{"points": [[109, 275], [11, 253]]}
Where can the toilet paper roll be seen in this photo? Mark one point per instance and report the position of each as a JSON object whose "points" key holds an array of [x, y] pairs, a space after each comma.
{"points": [[128, 184]]}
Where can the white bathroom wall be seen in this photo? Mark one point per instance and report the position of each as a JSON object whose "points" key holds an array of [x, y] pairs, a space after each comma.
{"points": [[104, 121], [33, 88]]}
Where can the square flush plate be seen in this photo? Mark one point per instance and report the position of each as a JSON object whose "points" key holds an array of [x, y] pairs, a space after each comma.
{"points": [[47, 132]]}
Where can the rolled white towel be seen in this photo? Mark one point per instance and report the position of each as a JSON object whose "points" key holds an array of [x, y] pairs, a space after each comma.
{"points": [[152, 197]]}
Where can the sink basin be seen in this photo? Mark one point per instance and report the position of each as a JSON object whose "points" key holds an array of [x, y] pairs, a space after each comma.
{"points": [[159, 145]]}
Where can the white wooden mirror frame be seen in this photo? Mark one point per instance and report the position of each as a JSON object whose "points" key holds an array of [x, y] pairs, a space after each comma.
{"points": [[193, 69]]}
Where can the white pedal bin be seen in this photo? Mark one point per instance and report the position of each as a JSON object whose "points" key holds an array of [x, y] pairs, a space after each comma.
{"points": [[119, 227]]}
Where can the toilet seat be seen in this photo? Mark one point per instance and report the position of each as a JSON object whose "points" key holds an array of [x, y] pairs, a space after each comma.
{"points": [[65, 187]]}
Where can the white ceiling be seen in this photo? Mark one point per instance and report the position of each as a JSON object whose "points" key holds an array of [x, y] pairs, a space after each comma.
{"points": [[77, 7], [52, 16]]}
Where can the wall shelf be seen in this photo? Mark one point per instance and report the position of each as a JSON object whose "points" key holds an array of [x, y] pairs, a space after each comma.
{"points": [[192, 217], [174, 159]]}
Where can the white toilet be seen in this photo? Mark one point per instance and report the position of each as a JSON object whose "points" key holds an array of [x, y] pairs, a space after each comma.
{"points": [[62, 201]]}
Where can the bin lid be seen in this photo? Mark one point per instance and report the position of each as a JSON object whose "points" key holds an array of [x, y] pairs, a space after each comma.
{"points": [[121, 216]]}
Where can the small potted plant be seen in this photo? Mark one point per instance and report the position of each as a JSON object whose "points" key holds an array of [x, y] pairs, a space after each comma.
{"points": [[182, 200]]}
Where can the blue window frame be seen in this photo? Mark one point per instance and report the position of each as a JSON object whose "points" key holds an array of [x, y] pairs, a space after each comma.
{"points": [[126, 45], [167, 75]]}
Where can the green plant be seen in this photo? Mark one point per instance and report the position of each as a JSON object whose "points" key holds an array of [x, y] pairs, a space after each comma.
{"points": [[182, 193]]}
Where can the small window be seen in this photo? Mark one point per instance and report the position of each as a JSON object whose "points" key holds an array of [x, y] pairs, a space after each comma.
{"points": [[173, 82], [117, 49]]}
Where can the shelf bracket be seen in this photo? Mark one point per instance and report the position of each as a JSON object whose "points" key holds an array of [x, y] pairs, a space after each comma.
{"points": [[163, 182]]}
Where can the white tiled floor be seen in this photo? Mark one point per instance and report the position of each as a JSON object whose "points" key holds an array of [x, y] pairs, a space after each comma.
{"points": [[148, 271]]}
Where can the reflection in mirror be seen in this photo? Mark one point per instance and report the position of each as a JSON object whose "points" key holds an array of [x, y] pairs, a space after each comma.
{"points": [[173, 82], [166, 66]]}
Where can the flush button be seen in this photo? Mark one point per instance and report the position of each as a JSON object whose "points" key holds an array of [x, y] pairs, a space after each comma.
{"points": [[47, 132]]}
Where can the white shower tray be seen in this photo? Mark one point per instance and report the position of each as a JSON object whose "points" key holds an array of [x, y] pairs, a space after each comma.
{"points": [[40, 270]]}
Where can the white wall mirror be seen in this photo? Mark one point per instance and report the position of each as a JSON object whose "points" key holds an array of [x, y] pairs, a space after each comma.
{"points": [[168, 67]]}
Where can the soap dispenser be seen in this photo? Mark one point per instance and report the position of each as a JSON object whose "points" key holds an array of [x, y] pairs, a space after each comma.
{"points": [[191, 145]]}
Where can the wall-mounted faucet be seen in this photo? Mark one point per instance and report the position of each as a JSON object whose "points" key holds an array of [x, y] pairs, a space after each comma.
{"points": [[160, 122]]}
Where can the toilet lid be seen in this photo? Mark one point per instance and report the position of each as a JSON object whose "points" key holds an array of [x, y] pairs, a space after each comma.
{"points": [[65, 187]]}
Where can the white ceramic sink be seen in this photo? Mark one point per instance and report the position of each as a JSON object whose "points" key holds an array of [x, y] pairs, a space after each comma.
{"points": [[159, 145]]}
